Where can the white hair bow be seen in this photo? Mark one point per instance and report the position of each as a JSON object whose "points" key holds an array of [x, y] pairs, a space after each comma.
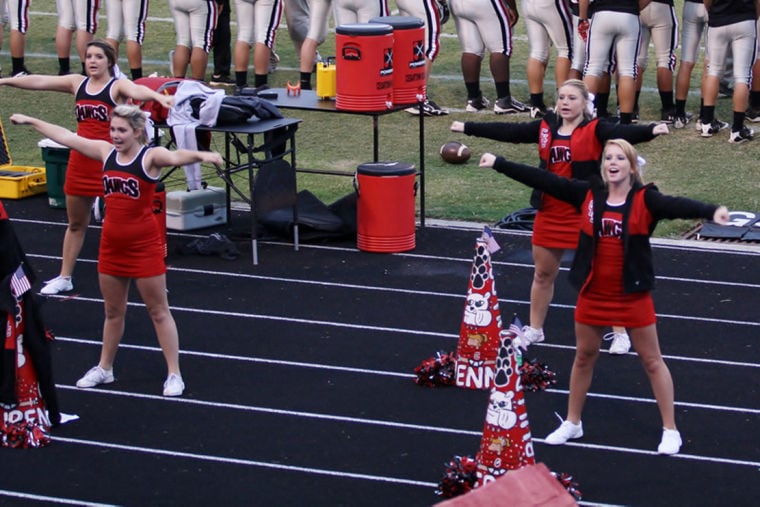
{"points": [[590, 107], [641, 162]]}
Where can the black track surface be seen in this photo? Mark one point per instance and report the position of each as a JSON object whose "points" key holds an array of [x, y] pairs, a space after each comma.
{"points": [[300, 386]]}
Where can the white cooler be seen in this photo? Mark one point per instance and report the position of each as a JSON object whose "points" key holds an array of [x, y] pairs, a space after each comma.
{"points": [[195, 209]]}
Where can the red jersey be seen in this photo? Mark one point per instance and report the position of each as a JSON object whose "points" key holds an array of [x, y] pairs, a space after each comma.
{"points": [[93, 114], [604, 301], [131, 244], [556, 224], [570, 156]]}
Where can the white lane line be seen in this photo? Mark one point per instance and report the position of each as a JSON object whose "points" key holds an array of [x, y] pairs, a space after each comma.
{"points": [[310, 322], [245, 462], [692, 457], [413, 292], [345, 369], [495, 262], [274, 411], [624, 450], [52, 499]]}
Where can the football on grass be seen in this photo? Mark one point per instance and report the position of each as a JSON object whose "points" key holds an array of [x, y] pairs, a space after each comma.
{"points": [[455, 152]]}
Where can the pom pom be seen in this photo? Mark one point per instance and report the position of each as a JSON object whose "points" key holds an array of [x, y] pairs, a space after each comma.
{"points": [[460, 477], [536, 376], [36, 436], [567, 482], [437, 371], [23, 434]]}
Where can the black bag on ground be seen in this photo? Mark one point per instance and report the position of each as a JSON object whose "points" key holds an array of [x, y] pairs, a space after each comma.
{"points": [[345, 209], [521, 220], [315, 220], [214, 244]]}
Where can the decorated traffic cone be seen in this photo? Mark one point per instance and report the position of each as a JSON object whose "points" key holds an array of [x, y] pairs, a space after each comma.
{"points": [[481, 324], [25, 423], [506, 443], [28, 401]]}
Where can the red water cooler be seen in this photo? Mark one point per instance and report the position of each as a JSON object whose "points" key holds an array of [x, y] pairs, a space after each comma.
{"points": [[385, 206], [364, 67], [409, 80]]}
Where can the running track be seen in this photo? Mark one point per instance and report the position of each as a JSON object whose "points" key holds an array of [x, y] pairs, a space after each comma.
{"points": [[300, 387]]}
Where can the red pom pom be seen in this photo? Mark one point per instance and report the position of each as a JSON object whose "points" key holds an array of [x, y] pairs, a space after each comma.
{"points": [[24, 435], [536, 376], [37, 436], [460, 477], [567, 482], [437, 371]]}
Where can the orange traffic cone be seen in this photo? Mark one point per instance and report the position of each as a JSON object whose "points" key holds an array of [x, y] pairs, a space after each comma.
{"points": [[25, 423], [479, 334], [506, 443]]}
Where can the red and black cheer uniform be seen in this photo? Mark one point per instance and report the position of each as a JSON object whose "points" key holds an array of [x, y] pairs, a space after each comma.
{"points": [[93, 114], [131, 244], [575, 156], [612, 267]]}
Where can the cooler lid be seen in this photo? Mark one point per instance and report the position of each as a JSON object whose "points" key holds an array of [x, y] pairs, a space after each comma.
{"points": [[183, 201], [364, 29], [49, 143], [400, 22], [386, 169]]}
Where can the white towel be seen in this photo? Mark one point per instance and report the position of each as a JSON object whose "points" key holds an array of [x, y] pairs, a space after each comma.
{"points": [[183, 123]]}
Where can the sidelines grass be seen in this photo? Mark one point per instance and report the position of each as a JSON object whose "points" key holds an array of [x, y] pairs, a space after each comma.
{"points": [[682, 163]]}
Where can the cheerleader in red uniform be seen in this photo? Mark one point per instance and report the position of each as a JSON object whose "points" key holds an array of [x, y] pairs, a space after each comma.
{"points": [[613, 270], [96, 95], [131, 244], [570, 144]]}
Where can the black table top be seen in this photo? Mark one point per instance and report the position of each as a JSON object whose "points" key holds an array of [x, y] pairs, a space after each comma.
{"points": [[308, 101], [254, 126]]}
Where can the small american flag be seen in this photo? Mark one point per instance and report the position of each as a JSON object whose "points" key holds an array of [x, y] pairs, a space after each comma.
{"points": [[19, 282], [516, 326], [491, 243], [518, 340]]}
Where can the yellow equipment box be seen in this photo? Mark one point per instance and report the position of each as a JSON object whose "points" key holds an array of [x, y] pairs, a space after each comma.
{"points": [[17, 182]]}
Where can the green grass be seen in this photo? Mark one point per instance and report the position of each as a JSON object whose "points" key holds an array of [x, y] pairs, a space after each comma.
{"points": [[681, 163]]}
